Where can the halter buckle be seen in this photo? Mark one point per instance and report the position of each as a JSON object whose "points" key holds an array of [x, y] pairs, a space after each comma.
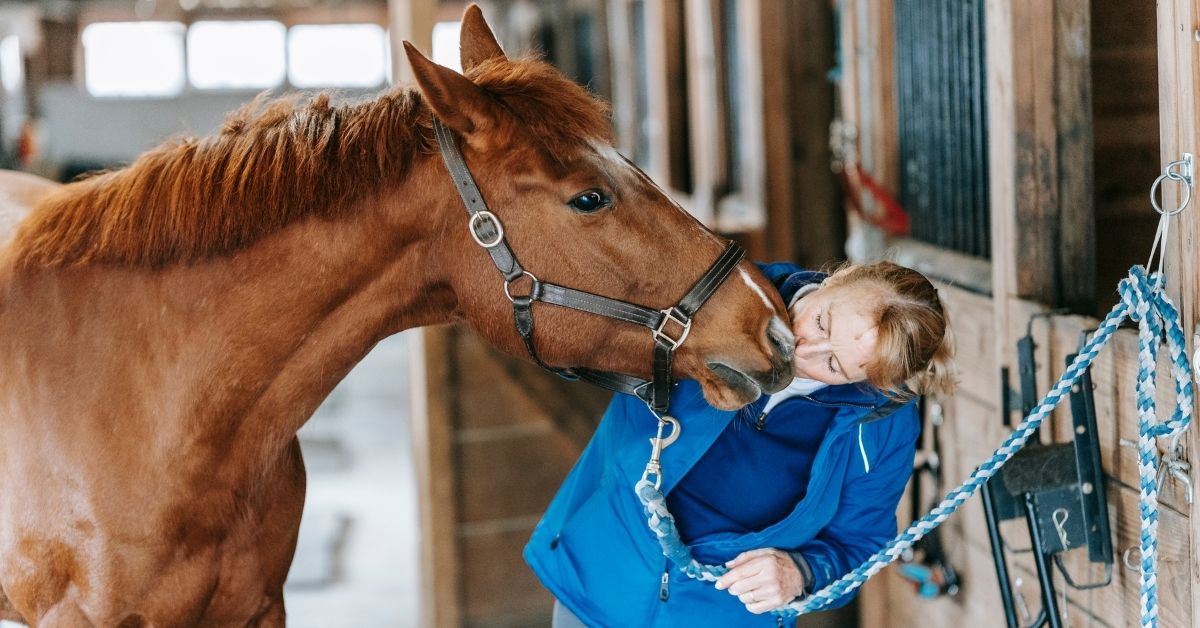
{"points": [[673, 315], [486, 240]]}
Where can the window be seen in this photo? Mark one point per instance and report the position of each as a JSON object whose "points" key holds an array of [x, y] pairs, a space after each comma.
{"points": [[445, 45], [236, 55], [337, 55], [12, 66], [139, 59], [942, 102]]}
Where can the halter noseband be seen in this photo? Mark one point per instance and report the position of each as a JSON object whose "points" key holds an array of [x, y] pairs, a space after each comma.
{"points": [[488, 233]]}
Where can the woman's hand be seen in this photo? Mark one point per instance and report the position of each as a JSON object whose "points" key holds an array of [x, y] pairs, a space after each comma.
{"points": [[763, 579]]}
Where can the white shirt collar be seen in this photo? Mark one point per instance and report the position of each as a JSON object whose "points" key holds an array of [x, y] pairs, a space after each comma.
{"points": [[799, 386]]}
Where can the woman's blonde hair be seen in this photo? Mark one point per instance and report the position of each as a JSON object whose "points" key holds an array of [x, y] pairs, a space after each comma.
{"points": [[915, 348]]}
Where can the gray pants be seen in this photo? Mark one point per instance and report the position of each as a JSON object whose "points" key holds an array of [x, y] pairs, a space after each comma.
{"points": [[563, 618]]}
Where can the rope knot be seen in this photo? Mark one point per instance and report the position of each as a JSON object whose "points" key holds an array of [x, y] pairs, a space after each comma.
{"points": [[1138, 292]]}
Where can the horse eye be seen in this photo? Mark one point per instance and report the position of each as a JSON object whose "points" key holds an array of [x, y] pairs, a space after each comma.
{"points": [[590, 201]]}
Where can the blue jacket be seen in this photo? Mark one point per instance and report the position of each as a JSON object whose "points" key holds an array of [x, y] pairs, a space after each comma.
{"points": [[594, 551]]}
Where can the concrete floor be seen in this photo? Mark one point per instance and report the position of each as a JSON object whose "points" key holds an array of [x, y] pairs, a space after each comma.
{"points": [[358, 562]]}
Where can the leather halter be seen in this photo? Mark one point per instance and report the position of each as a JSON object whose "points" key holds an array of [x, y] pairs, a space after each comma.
{"points": [[488, 232]]}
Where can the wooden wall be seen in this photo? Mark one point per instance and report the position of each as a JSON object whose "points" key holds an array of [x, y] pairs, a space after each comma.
{"points": [[1038, 160], [1073, 85], [496, 437]]}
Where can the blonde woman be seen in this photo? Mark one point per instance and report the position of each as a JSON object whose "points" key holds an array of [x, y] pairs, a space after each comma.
{"points": [[791, 492]]}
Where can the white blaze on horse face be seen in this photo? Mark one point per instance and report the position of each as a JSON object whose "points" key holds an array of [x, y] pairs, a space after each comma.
{"points": [[756, 288]]}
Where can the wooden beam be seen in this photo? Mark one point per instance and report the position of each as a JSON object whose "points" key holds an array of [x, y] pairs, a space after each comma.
{"points": [[411, 20], [1179, 106], [624, 82], [433, 458], [1040, 132], [816, 226], [703, 102], [1075, 280]]}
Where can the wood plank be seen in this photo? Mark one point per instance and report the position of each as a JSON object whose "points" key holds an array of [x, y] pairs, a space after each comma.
{"points": [[664, 115], [818, 227], [433, 390], [971, 322], [1178, 39], [1036, 166], [952, 268], [624, 83], [887, 130], [1002, 159], [411, 20], [1075, 246], [499, 589], [511, 475], [515, 392], [1114, 376], [1124, 24], [703, 103], [742, 210], [1119, 603]]}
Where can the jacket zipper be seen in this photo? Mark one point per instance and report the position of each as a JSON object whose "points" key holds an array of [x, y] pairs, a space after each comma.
{"points": [[664, 587], [760, 424]]}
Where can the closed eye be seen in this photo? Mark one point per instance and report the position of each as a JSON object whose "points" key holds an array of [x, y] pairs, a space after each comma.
{"points": [[832, 368]]}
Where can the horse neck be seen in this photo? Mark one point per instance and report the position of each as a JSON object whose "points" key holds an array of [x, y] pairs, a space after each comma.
{"points": [[242, 349], [312, 300]]}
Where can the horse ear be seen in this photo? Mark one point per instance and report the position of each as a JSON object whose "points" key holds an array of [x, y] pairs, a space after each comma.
{"points": [[476, 43], [461, 105]]}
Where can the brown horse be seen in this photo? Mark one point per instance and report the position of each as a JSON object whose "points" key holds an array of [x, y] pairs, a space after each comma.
{"points": [[166, 329]]}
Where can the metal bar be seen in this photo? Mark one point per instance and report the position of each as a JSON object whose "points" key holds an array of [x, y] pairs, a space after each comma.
{"points": [[982, 195], [1045, 575], [1091, 473], [998, 558]]}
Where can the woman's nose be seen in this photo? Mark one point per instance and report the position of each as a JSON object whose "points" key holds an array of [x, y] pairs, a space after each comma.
{"points": [[806, 348]]}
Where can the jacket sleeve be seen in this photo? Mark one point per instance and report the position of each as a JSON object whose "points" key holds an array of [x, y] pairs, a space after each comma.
{"points": [[866, 515]]}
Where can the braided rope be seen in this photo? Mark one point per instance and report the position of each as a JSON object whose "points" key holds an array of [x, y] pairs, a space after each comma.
{"points": [[1143, 301]]}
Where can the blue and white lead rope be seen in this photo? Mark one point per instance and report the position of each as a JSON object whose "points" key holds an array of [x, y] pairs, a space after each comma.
{"points": [[1143, 301]]}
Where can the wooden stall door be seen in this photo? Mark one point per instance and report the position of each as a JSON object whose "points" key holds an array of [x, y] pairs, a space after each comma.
{"points": [[1179, 108], [493, 438]]}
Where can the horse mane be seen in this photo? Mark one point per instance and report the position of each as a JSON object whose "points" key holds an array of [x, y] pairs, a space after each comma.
{"points": [[272, 163]]}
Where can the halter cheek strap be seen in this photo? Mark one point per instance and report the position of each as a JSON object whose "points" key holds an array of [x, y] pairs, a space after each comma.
{"points": [[670, 327]]}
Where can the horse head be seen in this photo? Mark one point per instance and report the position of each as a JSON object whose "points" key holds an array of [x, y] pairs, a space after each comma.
{"points": [[577, 213]]}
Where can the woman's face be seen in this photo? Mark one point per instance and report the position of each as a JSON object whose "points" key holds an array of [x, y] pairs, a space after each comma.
{"points": [[835, 336]]}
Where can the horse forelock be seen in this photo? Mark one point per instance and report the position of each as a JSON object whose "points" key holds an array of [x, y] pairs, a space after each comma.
{"points": [[271, 163], [552, 111]]}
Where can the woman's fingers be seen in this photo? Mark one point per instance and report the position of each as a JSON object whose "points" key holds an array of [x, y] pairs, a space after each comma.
{"points": [[762, 579], [745, 556]]}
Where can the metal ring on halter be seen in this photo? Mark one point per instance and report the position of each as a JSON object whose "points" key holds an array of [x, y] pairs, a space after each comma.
{"points": [[533, 287], [1174, 176], [475, 222]]}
